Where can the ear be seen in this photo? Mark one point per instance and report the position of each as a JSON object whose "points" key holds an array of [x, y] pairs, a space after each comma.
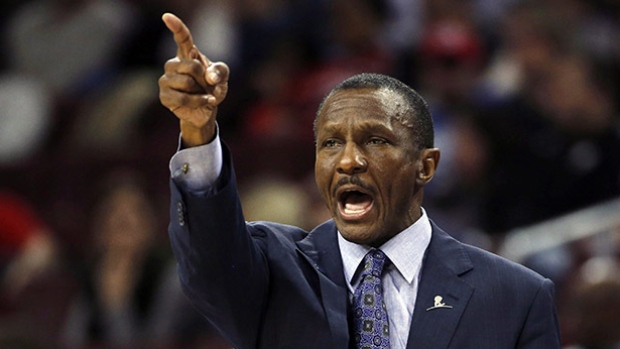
{"points": [[428, 161]]}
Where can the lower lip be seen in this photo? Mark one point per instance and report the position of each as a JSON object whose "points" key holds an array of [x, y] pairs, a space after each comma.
{"points": [[353, 215]]}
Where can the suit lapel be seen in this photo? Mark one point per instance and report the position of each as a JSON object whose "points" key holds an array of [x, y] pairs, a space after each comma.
{"points": [[431, 327], [321, 250], [436, 319]]}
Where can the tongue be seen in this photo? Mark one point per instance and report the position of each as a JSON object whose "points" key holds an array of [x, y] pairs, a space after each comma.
{"points": [[357, 202]]}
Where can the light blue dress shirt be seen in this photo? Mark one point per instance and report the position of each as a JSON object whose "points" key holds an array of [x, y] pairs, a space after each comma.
{"points": [[401, 278]]}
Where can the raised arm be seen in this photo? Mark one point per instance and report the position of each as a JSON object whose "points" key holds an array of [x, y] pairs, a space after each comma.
{"points": [[192, 86]]}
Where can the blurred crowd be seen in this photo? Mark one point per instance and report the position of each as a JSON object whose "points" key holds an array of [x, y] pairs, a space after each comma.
{"points": [[524, 95]]}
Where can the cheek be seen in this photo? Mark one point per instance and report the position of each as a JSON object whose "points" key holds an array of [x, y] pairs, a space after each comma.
{"points": [[393, 169], [403, 184], [322, 177]]}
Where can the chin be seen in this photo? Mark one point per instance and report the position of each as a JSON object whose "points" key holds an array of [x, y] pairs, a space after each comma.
{"points": [[357, 235]]}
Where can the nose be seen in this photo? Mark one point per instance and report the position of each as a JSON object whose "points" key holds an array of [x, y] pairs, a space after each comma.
{"points": [[352, 160]]}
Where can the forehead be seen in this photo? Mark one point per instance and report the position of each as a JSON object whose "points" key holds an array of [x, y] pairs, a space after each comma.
{"points": [[382, 105]]}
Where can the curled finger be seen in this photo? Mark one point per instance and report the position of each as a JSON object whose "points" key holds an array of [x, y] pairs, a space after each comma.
{"points": [[173, 99], [220, 91], [217, 73]]}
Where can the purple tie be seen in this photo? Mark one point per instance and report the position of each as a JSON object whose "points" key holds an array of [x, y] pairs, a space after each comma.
{"points": [[370, 320]]}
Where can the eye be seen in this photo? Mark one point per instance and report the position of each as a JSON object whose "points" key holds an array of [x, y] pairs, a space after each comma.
{"points": [[377, 141], [330, 143]]}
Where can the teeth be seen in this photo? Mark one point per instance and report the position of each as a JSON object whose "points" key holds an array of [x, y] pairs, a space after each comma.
{"points": [[348, 210]]}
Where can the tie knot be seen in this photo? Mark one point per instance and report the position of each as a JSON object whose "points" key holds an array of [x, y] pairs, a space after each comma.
{"points": [[374, 261]]}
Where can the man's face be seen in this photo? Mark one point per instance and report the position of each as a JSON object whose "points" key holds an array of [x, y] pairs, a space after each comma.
{"points": [[367, 165]]}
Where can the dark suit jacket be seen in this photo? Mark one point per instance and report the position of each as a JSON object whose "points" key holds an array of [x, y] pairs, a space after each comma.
{"points": [[266, 285]]}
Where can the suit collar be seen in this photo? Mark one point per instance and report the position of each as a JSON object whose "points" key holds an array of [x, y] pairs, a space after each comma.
{"points": [[321, 246], [320, 249], [446, 261], [449, 251]]}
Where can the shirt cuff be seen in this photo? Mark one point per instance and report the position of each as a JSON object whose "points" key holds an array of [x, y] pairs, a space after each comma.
{"points": [[197, 169]]}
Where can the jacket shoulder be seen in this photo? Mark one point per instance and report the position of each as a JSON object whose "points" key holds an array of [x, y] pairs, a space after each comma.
{"points": [[479, 265]]}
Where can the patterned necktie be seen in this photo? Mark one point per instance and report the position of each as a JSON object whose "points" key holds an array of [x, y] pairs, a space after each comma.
{"points": [[370, 320]]}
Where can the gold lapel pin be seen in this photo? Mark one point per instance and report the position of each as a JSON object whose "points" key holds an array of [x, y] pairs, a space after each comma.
{"points": [[439, 304]]}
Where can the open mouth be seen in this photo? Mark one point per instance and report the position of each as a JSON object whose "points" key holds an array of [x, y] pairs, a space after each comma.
{"points": [[354, 203]]}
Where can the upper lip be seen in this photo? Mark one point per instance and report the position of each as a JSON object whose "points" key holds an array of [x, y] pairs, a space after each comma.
{"points": [[347, 188]]}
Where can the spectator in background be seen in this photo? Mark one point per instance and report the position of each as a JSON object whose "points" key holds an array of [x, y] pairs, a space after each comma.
{"points": [[70, 49], [175, 323], [531, 41], [29, 256], [77, 40], [551, 125], [129, 295], [559, 139], [593, 29], [116, 296], [272, 198], [27, 247], [447, 66], [552, 134]]}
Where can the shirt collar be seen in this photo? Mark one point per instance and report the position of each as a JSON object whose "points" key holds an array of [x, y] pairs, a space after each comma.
{"points": [[405, 250]]}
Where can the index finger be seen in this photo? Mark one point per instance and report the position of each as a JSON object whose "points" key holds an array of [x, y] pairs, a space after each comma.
{"points": [[182, 35]]}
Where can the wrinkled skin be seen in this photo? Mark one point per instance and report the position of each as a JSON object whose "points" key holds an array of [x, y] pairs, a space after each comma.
{"points": [[368, 166]]}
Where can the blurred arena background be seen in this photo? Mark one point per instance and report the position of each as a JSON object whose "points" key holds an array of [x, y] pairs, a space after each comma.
{"points": [[524, 96]]}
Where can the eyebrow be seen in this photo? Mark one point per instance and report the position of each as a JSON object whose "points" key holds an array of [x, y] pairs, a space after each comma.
{"points": [[368, 126]]}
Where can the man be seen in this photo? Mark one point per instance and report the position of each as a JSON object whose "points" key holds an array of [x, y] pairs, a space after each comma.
{"points": [[266, 285]]}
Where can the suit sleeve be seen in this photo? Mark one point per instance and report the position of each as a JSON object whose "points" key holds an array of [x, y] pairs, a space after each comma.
{"points": [[541, 329], [223, 270]]}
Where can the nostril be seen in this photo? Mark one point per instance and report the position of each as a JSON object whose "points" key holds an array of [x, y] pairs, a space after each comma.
{"points": [[359, 163], [354, 165], [352, 160]]}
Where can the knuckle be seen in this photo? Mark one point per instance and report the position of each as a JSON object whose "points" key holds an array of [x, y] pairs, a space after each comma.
{"points": [[222, 70], [184, 99], [196, 68], [171, 63]]}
